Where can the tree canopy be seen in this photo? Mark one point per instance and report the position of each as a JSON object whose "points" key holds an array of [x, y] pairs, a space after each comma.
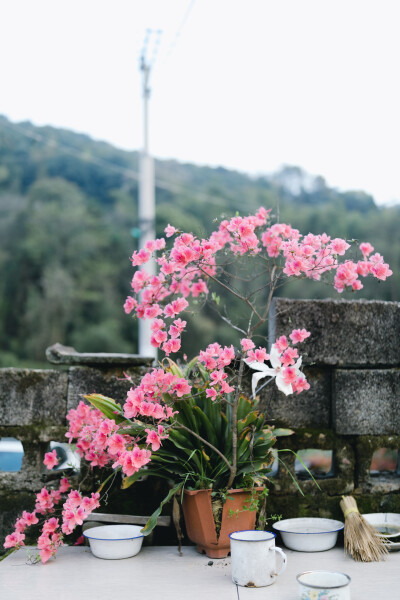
{"points": [[68, 207]]}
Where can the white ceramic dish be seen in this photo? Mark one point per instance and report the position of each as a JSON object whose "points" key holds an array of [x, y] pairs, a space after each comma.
{"points": [[393, 546], [115, 541], [386, 524], [309, 534]]}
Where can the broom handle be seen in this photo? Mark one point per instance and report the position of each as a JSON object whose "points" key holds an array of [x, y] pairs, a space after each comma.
{"points": [[350, 510]]}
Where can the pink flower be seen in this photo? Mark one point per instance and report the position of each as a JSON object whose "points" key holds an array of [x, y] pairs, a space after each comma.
{"points": [[157, 325], [246, 344], [146, 409], [50, 525], [289, 375], [14, 540], [288, 356], [130, 304], [258, 355], [21, 525], [299, 335], [171, 346], [134, 460], [115, 443], [30, 518], [50, 459], [74, 498], [44, 501], [339, 246], [64, 485], [217, 377], [198, 288], [281, 343], [226, 388], [141, 257], [80, 541], [181, 388], [180, 325], [153, 439], [381, 271], [366, 249], [211, 393], [300, 384], [169, 230]]}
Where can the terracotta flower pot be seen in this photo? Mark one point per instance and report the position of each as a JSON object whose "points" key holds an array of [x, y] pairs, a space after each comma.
{"points": [[200, 525]]}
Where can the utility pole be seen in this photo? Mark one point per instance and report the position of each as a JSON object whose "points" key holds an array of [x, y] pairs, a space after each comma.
{"points": [[146, 211]]}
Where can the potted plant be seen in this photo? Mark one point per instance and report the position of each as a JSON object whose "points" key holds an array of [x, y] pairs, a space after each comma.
{"points": [[198, 425]]}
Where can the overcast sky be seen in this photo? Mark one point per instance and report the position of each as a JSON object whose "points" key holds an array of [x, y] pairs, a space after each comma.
{"points": [[246, 84]]}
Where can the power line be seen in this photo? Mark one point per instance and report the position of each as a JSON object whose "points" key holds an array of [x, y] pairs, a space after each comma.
{"points": [[178, 32]]}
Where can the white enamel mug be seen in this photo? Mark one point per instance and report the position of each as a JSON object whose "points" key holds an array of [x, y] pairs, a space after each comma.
{"points": [[327, 585], [253, 556]]}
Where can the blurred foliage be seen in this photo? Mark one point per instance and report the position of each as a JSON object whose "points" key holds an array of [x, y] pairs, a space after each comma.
{"points": [[68, 206]]}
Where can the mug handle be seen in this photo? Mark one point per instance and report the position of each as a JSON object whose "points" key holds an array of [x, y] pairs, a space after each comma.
{"points": [[283, 556]]}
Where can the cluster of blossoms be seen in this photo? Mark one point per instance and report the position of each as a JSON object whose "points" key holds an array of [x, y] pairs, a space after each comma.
{"points": [[100, 441], [185, 270], [284, 369], [74, 510], [214, 359]]}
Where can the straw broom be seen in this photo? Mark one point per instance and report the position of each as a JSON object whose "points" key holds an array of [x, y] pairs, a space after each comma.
{"points": [[361, 540]]}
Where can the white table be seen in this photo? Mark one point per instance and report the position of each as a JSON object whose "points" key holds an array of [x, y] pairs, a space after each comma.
{"points": [[159, 573]]}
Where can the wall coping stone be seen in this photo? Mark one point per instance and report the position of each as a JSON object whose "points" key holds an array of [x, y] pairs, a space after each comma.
{"points": [[66, 355]]}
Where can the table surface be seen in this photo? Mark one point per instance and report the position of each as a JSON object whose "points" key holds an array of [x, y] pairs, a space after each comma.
{"points": [[159, 572]]}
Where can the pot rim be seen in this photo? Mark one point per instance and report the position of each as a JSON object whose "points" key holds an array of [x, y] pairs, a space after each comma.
{"points": [[230, 491], [252, 530], [319, 587]]}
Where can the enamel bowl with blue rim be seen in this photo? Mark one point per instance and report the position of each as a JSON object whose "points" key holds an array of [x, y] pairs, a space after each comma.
{"points": [[309, 534], [114, 541]]}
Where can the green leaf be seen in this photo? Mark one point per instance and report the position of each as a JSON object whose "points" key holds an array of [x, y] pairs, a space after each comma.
{"points": [[10, 551], [208, 433], [215, 298], [107, 406], [248, 420], [282, 432], [128, 481], [291, 474], [152, 522], [190, 366], [174, 368], [244, 407]]}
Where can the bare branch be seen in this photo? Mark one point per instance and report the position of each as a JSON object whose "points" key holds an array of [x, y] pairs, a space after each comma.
{"points": [[237, 295]]}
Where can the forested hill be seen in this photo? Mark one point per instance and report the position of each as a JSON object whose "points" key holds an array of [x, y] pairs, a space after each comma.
{"points": [[68, 216]]}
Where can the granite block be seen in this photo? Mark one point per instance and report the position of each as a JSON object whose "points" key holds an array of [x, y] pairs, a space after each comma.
{"points": [[366, 401], [32, 397], [343, 332]]}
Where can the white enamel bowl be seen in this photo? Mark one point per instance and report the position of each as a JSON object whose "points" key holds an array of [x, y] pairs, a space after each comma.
{"points": [[115, 541], [309, 534], [386, 524]]}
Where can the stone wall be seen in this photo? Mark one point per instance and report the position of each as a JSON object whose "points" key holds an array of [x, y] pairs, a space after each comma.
{"points": [[352, 361], [33, 407]]}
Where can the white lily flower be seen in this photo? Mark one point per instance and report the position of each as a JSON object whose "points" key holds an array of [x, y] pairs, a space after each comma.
{"points": [[275, 371]]}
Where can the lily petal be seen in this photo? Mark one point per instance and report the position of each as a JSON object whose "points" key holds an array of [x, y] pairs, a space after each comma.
{"points": [[259, 366], [274, 357], [286, 388], [255, 379]]}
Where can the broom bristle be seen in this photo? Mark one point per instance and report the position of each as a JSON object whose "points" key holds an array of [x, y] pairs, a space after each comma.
{"points": [[361, 540]]}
